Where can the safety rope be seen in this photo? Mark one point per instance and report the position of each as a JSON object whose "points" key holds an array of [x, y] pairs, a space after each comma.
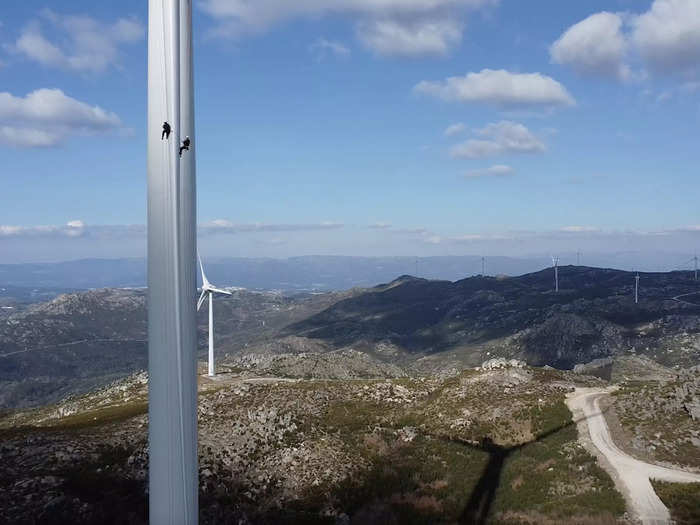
{"points": [[164, 68]]}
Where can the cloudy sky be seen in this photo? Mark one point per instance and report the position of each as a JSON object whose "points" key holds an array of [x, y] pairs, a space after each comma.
{"points": [[369, 127]]}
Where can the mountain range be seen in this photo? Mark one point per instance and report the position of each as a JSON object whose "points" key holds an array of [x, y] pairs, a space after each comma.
{"points": [[313, 272], [593, 315], [411, 325]]}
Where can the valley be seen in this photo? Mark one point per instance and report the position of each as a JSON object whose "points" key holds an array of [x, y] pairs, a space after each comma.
{"points": [[411, 402]]}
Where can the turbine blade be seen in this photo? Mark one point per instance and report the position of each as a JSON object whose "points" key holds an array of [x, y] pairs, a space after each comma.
{"points": [[201, 299], [217, 290], [205, 281]]}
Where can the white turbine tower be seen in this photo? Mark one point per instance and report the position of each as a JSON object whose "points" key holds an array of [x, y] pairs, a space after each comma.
{"points": [[208, 289], [636, 289], [555, 263], [172, 268]]}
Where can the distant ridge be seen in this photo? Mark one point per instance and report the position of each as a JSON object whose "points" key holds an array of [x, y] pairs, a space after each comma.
{"points": [[592, 316], [314, 272]]}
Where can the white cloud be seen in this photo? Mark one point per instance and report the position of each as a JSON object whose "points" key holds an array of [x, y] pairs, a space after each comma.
{"points": [[410, 37], [27, 137], [322, 47], [695, 228], [690, 87], [595, 45], [78, 228], [579, 229], [412, 231], [474, 237], [500, 88], [664, 96], [455, 129], [380, 226], [666, 38], [46, 117], [71, 229], [499, 170], [80, 42], [387, 27], [673, 92], [275, 241], [237, 16], [577, 233], [668, 35], [501, 138], [223, 226]]}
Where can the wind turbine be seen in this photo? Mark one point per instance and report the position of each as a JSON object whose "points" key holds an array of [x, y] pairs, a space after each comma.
{"points": [[691, 260], [636, 289], [172, 267], [208, 289], [555, 263]]}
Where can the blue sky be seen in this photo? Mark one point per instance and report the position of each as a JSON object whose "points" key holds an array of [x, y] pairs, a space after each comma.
{"points": [[335, 130]]}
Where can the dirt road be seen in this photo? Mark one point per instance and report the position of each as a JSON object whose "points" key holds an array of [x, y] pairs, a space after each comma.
{"points": [[631, 475], [679, 298]]}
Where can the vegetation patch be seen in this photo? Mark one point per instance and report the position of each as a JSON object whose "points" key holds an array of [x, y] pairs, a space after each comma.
{"points": [[488, 445], [682, 499], [656, 418]]}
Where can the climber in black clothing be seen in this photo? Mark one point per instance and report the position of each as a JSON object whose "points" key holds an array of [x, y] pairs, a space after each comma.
{"points": [[166, 131], [185, 145]]}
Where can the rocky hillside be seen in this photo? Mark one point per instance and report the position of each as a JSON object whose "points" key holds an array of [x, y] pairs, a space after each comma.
{"points": [[660, 420], [82, 340], [72, 343], [592, 316], [490, 445]]}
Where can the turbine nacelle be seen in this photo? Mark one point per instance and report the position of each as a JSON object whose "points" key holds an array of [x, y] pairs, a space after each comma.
{"points": [[207, 287], [209, 290]]}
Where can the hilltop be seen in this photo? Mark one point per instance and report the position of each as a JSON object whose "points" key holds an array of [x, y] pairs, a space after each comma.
{"points": [[467, 321]]}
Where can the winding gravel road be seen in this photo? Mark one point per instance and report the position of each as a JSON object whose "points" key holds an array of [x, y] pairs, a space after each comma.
{"points": [[679, 298], [631, 475]]}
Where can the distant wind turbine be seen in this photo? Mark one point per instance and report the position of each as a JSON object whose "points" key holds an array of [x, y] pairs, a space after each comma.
{"points": [[483, 266], [555, 263], [636, 289], [693, 260], [208, 289]]}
